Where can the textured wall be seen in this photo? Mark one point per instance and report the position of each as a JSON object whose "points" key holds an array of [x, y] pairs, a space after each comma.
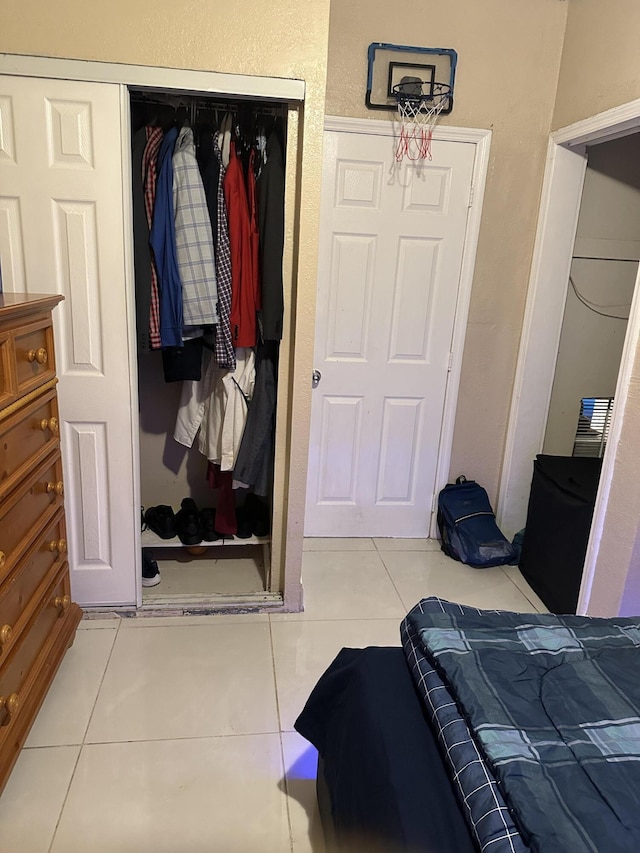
{"points": [[601, 69], [600, 62], [509, 57], [284, 39]]}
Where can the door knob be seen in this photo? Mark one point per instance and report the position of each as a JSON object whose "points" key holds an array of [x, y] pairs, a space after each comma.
{"points": [[316, 376]]}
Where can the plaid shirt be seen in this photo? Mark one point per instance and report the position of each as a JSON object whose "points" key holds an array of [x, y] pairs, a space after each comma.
{"points": [[224, 349], [149, 177], [194, 242]]}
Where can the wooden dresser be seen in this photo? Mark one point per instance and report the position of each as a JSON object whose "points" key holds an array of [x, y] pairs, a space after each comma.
{"points": [[37, 618]]}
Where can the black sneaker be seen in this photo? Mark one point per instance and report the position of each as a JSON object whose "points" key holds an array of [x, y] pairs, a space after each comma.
{"points": [[150, 571], [208, 524], [188, 525], [161, 520]]}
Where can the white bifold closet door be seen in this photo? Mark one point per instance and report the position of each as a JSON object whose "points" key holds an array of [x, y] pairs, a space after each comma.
{"points": [[62, 230]]}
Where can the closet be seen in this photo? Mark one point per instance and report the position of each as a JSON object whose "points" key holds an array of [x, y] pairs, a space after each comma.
{"points": [[222, 375], [67, 175]]}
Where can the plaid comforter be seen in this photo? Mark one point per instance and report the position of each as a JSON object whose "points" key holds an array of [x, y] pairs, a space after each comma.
{"points": [[553, 706]]}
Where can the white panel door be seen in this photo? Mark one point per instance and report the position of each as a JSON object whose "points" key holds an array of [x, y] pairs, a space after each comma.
{"points": [[62, 231], [391, 253]]}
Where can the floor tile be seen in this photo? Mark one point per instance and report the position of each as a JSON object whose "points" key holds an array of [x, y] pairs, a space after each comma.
{"points": [[213, 572], [183, 621], [300, 762], [515, 575], [89, 623], [187, 682], [65, 713], [31, 803], [304, 650], [345, 585], [407, 544], [420, 574], [208, 794], [328, 544]]}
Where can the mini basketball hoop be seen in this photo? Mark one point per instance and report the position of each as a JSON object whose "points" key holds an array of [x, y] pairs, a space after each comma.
{"points": [[419, 104]]}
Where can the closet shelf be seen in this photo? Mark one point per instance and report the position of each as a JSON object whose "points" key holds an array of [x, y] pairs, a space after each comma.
{"points": [[149, 539]]}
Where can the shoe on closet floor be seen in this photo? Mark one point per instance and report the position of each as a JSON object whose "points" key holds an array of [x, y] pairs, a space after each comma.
{"points": [[188, 526], [161, 520], [257, 511], [150, 571], [208, 524], [243, 520]]}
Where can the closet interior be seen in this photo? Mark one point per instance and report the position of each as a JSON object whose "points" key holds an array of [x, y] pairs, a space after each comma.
{"points": [[208, 208]]}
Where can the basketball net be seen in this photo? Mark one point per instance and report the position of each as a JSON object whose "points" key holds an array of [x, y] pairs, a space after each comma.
{"points": [[418, 118]]}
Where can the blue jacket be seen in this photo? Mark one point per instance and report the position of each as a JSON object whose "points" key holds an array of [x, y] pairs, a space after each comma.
{"points": [[163, 243]]}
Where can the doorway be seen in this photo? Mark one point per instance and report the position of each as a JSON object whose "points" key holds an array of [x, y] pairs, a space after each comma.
{"points": [[102, 454], [552, 264]]}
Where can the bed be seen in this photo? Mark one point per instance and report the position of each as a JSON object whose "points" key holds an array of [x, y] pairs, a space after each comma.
{"points": [[487, 730]]}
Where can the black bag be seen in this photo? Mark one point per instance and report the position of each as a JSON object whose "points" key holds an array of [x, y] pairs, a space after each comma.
{"points": [[468, 529]]}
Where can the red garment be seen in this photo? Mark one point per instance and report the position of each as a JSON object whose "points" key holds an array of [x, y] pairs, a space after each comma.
{"points": [[149, 176], [225, 522], [243, 280]]}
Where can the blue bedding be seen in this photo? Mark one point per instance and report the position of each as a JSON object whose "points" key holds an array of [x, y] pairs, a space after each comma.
{"points": [[553, 705]]}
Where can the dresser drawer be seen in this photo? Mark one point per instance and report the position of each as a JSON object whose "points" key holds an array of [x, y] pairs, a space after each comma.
{"points": [[26, 437], [18, 672], [7, 368], [25, 511], [34, 356], [19, 592]]}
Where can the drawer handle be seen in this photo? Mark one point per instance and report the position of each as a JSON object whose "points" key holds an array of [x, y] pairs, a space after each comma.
{"points": [[39, 355], [51, 424], [58, 488], [3, 559], [6, 632], [10, 704], [61, 603], [59, 545]]}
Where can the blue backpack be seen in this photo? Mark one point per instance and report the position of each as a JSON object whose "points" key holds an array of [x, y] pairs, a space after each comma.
{"points": [[468, 529]]}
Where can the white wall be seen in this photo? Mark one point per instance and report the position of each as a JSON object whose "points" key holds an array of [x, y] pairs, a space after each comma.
{"points": [[591, 345]]}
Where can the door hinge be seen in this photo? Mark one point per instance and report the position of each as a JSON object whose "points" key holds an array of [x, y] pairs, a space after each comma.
{"points": [[450, 364], [434, 501], [471, 196]]}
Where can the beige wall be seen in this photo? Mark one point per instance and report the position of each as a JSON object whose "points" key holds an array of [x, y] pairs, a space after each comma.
{"points": [[283, 39], [600, 62], [601, 69], [509, 57]]}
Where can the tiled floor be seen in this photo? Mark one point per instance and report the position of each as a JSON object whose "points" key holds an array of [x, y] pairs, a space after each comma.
{"points": [[176, 734]]}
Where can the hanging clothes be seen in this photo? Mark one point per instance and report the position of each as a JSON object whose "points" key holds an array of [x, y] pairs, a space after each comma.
{"points": [[225, 520], [141, 249], [194, 242], [149, 177], [243, 296], [255, 458], [271, 227], [254, 235], [163, 243], [218, 406], [224, 139], [213, 171]]}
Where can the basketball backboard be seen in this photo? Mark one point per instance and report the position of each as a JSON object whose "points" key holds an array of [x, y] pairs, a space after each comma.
{"points": [[419, 69]]}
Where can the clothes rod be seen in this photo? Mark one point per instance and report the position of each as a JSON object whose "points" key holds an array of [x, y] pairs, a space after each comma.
{"points": [[596, 258], [222, 106]]}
